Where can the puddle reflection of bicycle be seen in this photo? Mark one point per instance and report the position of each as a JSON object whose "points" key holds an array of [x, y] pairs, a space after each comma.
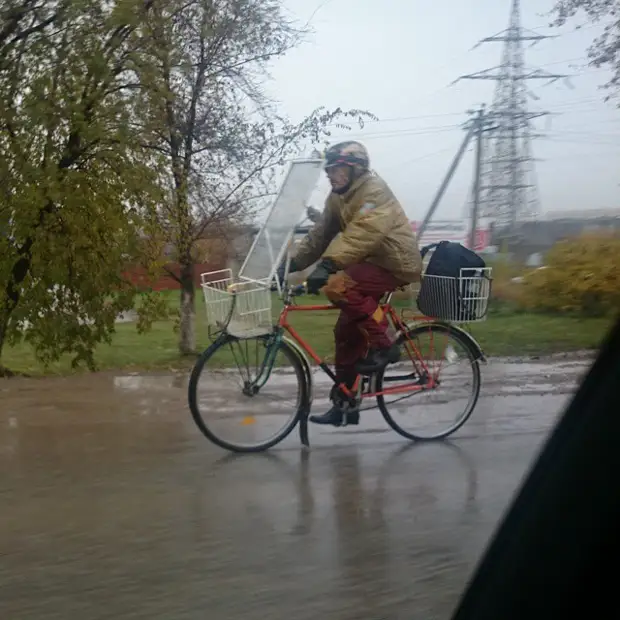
{"points": [[291, 496]]}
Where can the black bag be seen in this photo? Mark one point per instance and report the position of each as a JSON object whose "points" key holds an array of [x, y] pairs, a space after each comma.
{"points": [[453, 293]]}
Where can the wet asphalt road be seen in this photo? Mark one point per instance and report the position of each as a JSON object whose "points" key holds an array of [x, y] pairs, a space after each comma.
{"points": [[114, 506]]}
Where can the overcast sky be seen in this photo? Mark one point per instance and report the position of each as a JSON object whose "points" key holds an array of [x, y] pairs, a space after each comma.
{"points": [[397, 58]]}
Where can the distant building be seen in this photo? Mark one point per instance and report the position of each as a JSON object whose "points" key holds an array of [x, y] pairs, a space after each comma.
{"points": [[554, 226], [584, 215]]}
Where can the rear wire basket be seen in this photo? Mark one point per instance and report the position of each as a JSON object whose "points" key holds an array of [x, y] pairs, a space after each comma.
{"points": [[458, 300], [242, 308]]}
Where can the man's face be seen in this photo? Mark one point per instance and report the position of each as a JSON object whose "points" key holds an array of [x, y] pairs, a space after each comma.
{"points": [[338, 176]]}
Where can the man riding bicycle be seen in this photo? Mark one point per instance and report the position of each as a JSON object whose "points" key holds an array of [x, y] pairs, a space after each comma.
{"points": [[367, 249]]}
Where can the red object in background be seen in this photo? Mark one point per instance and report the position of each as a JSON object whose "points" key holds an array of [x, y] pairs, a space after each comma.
{"points": [[452, 230], [483, 239], [139, 277]]}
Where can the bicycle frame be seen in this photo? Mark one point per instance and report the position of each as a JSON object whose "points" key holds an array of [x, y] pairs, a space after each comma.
{"points": [[356, 390]]}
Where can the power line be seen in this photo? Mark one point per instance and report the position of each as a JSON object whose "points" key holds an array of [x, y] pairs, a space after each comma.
{"points": [[395, 119], [455, 114], [419, 158], [586, 140], [415, 117], [570, 157], [569, 32], [436, 129], [397, 133]]}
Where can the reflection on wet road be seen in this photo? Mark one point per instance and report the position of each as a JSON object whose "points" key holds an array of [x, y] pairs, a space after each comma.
{"points": [[114, 506]]}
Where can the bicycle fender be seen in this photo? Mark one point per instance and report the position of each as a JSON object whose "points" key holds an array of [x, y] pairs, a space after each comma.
{"points": [[473, 344], [306, 366], [468, 339], [303, 422]]}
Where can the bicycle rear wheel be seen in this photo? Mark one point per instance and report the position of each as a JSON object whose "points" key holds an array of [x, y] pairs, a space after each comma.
{"points": [[434, 413], [230, 408]]}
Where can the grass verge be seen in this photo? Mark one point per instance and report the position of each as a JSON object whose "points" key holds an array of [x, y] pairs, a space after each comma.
{"points": [[500, 335]]}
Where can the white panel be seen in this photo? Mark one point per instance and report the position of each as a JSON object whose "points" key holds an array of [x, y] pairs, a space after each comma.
{"points": [[270, 243]]}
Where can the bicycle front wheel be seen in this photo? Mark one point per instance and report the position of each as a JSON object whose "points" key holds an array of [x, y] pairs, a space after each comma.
{"points": [[229, 404], [441, 353]]}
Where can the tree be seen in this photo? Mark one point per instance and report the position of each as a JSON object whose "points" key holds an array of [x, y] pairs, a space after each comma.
{"points": [[76, 191], [605, 50], [204, 109]]}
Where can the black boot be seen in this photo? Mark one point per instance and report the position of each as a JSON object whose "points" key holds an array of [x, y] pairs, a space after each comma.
{"points": [[336, 417], [378, 359]]}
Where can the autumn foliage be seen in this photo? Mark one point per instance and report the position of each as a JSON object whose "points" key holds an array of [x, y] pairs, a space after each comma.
{"points": [[130, 132], [581, 276]]}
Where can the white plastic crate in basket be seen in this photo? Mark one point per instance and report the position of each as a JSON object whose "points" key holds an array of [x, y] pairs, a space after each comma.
{"points": [[251, 315], [459, 300]]}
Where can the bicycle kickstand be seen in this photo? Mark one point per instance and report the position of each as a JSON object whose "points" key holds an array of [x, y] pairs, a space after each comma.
{"points": [[303, 429]]}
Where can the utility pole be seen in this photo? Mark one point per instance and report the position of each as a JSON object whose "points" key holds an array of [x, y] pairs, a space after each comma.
{"points": [[474, 127], [475, 203]]}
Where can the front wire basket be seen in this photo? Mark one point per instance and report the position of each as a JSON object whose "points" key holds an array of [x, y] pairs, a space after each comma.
{"points": [[458, 300], [242, 308]]}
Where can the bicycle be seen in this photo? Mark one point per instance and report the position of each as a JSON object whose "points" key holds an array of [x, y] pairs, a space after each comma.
{"points": [[241, 314]]}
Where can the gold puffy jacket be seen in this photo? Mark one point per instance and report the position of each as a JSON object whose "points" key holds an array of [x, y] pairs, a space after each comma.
{"points": [[367, 224]]}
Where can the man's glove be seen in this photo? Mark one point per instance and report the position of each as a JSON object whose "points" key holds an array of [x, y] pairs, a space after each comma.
{"points": [[318, 278], [280, 273]]}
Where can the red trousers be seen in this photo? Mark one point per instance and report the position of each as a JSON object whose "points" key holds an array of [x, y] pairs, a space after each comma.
{"points": [[361, 324]]}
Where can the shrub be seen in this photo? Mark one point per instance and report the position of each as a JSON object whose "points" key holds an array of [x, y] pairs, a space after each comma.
{"points": [[581, 276], [505, 293]]}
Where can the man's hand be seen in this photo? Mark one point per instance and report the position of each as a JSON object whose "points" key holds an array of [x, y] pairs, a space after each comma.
{"points": [[318, 278]]}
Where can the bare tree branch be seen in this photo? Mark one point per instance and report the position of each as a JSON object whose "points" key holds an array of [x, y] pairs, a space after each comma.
{"points": [[605, 49]]}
